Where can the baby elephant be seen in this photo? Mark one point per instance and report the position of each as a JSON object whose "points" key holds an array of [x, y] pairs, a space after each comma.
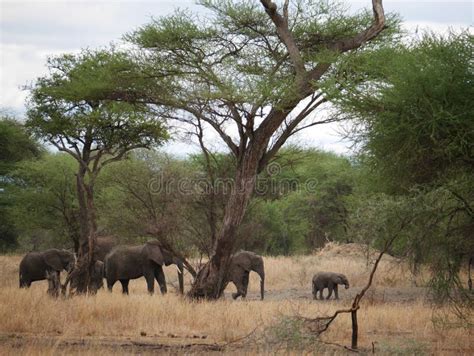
{"points": [[330, 281]]}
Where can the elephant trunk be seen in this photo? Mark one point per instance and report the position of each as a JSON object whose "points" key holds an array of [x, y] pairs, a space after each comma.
{"points": [[180, 277]]}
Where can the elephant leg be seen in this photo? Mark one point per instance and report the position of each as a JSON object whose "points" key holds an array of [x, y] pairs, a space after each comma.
{"points": [[150, 280], [330, 288], [314, 291], [124, 283], [25, 284], [321, 297], [245, 284], [161, 279], [335, 292], [236, 294], [110, 284], [240, 288]]}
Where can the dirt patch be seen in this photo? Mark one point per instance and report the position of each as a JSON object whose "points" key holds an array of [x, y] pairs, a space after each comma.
{"points": [[22, 343], [373, 295]]}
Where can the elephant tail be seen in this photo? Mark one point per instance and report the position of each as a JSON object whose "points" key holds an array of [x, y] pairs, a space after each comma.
{"points": [[105, 268], [260, 269], [21, 280]]}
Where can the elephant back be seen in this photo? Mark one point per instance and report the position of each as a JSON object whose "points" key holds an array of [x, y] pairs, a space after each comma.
{"points": [[124, 262], [30, 261], [104, 245]]}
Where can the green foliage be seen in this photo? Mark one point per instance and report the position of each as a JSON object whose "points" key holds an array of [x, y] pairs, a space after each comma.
{"points": [[235, 55], [75, 103], [15, 145], [302, 206], [45, 203], [139, 197], [414, 110]]}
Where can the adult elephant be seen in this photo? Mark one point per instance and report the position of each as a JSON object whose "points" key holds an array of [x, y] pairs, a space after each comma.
{"points": [[103, 246], [124, 263], [241, 264], [35, 265]]}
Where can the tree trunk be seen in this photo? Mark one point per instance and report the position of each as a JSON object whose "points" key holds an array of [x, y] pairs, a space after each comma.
{"points": [[355, 329], [211, 280], [83, 273]]}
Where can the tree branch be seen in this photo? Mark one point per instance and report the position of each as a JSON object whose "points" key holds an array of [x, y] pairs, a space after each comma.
{"points": [[285, 35]]}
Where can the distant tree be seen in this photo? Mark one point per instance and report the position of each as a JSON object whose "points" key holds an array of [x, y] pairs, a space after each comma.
{"points": [[45, 199], [67, 109], [15, 145], [140, 196], [302, 205], [253, 73]]}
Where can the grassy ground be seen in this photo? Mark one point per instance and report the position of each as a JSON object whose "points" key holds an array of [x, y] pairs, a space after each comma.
{"points": [[394, 318]]}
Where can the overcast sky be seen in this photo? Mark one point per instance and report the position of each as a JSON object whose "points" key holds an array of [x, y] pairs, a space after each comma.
{"points": [[33, 30]]}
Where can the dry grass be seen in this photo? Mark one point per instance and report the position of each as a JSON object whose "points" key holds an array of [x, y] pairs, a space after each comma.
{"points": [[31, 315]]}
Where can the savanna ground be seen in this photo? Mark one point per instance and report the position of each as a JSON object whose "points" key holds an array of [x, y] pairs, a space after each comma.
{"points": [[395, 316]]}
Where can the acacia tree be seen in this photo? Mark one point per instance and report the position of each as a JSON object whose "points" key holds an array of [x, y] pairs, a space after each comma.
{"points": [[67, 109], [254, 73]]}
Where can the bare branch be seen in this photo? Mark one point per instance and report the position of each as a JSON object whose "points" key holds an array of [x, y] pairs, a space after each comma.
{"points": [[217, 127], [285, 35], [378, 25], [291, 129]]}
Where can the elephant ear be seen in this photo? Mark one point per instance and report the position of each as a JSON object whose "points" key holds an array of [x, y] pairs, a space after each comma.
{"points": [[244, 260], [341, 278], [153, 252], [99, 268], [53, 259]]}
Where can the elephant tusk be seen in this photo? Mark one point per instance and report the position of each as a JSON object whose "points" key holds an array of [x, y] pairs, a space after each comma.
{"points": [[179, 271]]}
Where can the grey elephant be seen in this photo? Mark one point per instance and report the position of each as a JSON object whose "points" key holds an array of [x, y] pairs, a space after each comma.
{"points": [[103, 245], [35, 265], [241, 264], [96, 283], [328, 280], [130, 262]]}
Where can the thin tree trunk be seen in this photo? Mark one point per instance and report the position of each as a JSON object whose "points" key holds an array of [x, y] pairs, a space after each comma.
{"points": [[355, 329]]}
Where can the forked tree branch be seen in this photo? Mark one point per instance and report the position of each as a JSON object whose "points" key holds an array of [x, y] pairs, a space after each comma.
{"points": [[347, 44], [285, 35]]}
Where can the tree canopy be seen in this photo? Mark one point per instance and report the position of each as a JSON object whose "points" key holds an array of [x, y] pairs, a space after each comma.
{"points": [[412, 111], [67, 108]]}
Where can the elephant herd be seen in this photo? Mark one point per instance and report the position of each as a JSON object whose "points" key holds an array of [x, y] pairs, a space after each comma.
{"points": [[123, 263]]}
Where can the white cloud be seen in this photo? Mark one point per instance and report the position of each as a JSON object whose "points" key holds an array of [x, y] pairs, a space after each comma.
{"points": [[419, 27], [19, 64]]}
